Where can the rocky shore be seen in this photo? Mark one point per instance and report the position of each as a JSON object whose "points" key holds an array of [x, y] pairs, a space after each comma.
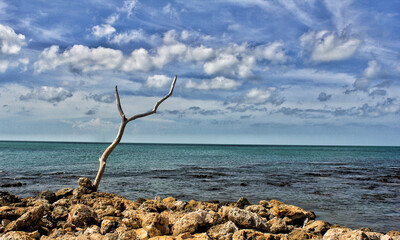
{"points": [[86, 215]]}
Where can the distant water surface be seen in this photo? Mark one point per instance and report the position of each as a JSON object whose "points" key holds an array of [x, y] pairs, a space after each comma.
{"points": [[351, 186]]}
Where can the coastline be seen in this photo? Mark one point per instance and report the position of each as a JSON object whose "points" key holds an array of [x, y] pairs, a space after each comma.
{"points": [[82, 214]]}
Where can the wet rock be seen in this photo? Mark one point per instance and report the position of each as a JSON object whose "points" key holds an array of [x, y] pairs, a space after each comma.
{"points": [[65, 192], [19, 235], [17, 184], [244, 219], [8, 198], [191, 222], [281, 210], [81, 215], [155, 224], [318, 227], [28, 221], [280, 225], [47, 195], [223, 231], [242, 202]]}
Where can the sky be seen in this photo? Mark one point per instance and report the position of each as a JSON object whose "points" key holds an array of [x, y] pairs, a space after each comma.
{"points": [[308, 72]]}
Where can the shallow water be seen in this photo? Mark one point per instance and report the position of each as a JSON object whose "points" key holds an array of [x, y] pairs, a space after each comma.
{"points": [[351, 186]]}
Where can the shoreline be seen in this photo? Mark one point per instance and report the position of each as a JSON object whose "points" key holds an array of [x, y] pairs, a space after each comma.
{"points": [[82, 214]]}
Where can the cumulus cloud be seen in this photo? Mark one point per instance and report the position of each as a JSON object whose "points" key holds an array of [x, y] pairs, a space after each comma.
{"points": [[273, 52], [48, 94], [215, 83], [158, 81], [223, 64], [103, 30], [329, 46], [103, 98], [372, 70], [140, 60], [10, 42], [131, 36], [323, 97], [262, 96], [95, 124], [79, 59], [361, 84]]}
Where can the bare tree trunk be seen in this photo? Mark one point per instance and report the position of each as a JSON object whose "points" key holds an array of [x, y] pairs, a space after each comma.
{"points": [[124, 122]]}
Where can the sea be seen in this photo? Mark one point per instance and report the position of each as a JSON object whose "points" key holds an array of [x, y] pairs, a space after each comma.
{"points": [[351, 186]]}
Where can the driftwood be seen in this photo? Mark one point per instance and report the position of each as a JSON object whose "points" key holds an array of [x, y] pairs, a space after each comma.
{"points": [[124, 122]]}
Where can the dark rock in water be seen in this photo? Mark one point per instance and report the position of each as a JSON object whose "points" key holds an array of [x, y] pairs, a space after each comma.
{"points": [[18, 184], [47, 195], [7, 198], [85, 182]]}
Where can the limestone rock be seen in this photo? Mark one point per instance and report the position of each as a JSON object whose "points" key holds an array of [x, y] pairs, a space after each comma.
{"points": [[11, 213], [59, 213], [244, 219], [156, 205], [28, 221], [132, 219], [85, 182], [242, 202], [281, 210], [223, 231], [346, 233], [19, 235], [8, 198], [80, 191], [300, 234], [319, 227], [47, 195], [81, 215], [191, 222], [280, 225], [108, 225], [91, 230], [65, 192], [155, 224], [248, 234], [258, 209]]}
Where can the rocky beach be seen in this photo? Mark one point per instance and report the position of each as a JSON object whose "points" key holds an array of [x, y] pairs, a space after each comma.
{"points": [[84, 214]]}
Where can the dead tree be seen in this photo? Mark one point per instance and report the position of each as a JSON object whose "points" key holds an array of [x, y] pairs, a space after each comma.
{"points": [[124, 121]]}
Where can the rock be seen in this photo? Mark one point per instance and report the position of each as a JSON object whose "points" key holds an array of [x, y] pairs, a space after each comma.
{"points": [[172, 216], [19, 235], [80, 191], [242, 202], [244, 219], [28, 221], [47, 195], [108, 226], [11, 213], [156, 205], [223, 231], [155, 224], [191, 222], [248, 234], [85, 182], [132, 219], [8, 198], [265, 204], [169, 202], [59, 213], [280, 225], [297, 214], [318, 227], [300, 234], [81, 215], [92, 229], [258, 209], [65, 192], [346, 233]]}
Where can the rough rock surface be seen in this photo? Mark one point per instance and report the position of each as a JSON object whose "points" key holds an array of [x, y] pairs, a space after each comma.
{"points": [[86, 215]]}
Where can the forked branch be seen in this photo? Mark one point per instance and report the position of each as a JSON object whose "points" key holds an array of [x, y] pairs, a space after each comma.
{"points": [[125, 121]]}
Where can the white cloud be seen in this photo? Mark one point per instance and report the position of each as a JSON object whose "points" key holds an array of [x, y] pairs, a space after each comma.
{"points": [[10, 42], [215, 83], [48, 94], [96, 124], [273, 52], [318, 76], [158, 81], [224, 63], [131, 36], [372, 70], [361, 84], [262, 96], [79, 59], [140, 60], [103, 30], [329, 46], [199, 54], [129, 6]]}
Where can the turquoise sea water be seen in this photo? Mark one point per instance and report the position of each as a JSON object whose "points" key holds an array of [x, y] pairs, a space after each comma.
{"points": [[351, 186]]}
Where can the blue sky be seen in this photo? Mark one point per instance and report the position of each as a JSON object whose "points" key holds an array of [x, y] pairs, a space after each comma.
{"points": [[249, 72]]}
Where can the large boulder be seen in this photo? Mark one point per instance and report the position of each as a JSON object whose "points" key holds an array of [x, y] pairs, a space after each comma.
{"points": [[244, 219], [191, 222], [29, 221], [296, 214], [155, 224], [81, 215], [223, 231]]}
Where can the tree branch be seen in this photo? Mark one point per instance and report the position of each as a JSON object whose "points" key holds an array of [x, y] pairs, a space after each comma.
{"points": [[121, 113], [157, 104]]}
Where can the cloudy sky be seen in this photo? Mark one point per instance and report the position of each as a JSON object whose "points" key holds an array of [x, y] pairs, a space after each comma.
{"points": [[249, 71]]}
